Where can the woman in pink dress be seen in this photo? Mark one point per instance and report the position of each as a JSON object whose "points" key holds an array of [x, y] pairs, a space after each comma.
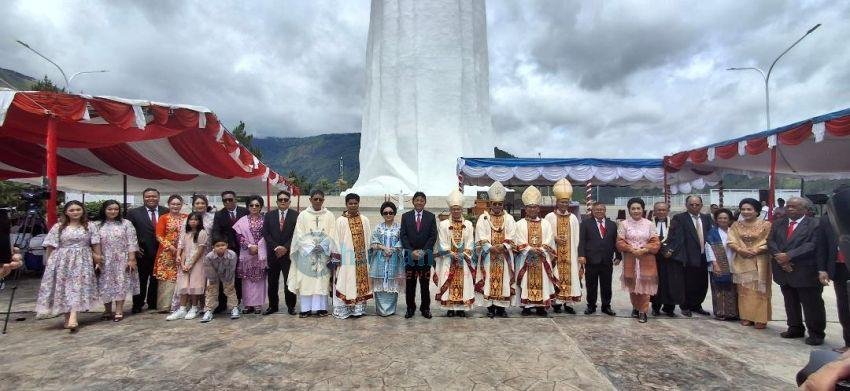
{"points": [[252, 267], [637, 239], [190, 269], [119, 275]]}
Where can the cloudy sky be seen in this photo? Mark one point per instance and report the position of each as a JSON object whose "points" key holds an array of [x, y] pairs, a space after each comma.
{"points": [[575, 78]]}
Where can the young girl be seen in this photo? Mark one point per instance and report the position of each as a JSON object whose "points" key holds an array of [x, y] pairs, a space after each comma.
{"points": [[190, 274], [119, 275], [73, 252]]}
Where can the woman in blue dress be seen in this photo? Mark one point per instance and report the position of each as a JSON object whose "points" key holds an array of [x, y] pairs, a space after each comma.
{"points": [[385, 261]]}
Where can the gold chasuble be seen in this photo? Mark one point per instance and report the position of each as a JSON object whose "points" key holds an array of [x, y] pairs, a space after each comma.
{"points": [[535, 277], [454, 278], [565, 263]]}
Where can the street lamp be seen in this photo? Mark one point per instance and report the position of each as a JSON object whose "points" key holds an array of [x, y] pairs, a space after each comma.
{"points": [[64, 76], [766, 77]]}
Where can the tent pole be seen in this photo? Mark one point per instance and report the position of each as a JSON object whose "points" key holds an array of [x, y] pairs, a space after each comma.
{"points": [[124, 180], [720, 193], [52, 140], [666, 188], [268, 196], [772, 192]]}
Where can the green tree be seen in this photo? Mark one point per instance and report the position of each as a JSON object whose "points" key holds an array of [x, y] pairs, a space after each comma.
{"points": [[246, 139], [46, 85], [325, 185]]}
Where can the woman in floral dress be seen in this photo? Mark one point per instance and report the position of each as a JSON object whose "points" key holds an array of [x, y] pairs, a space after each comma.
{"points": [[252, 266], [69, 284], [168, 229], [119, 275]]}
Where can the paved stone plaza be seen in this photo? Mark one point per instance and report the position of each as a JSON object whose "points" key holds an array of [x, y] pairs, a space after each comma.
{"points": [[285, 352]]}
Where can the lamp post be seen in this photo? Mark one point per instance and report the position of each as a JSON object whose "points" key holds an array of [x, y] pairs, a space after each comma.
{"points": [[766, 77], [67, 79]]}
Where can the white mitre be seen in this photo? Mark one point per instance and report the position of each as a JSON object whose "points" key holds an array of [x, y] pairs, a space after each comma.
{"points": [[455, 198], [563, 189], [531, 196], [497, 192]]}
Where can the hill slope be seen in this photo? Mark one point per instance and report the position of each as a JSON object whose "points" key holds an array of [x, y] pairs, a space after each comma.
{"points": [[315, 157], [17, 80]]}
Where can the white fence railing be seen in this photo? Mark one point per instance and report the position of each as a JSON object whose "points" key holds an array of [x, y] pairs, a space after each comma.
{"points": [[731, 197]]}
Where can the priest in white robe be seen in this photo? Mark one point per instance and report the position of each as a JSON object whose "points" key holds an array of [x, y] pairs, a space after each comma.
{"points": [[454, 273], [535, 243], [313, 244], [566, 266], [494, 242], [352, 287]]}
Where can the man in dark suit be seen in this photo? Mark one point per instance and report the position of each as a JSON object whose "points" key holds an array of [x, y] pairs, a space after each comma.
{"points": [[671, 272], [688, 231], [832, 261], [596, 251], [278, 228], [418, 235], [144, 220], [793, 245], [223, 224]]}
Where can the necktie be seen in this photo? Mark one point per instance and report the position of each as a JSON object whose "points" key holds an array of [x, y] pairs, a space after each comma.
{"points": [[282, 220], [418, 221], [602, 230], [840, 257], [698, 226], [790, 230], [661, 230], [232, 216], [153, 217]]}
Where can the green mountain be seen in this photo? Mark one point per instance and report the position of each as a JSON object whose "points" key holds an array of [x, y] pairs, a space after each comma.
{"points": [[315, 157], [17, 80]]}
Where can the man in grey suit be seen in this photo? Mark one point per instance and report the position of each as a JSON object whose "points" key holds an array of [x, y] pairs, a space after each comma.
{"points": [[144, 220], [278, 228], [793, 245]]}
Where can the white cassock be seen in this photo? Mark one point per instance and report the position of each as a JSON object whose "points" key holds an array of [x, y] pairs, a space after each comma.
{"points": [[352, 287], [535, 277], [495, 275], [309, 274], [566, 265], [455, 280]]}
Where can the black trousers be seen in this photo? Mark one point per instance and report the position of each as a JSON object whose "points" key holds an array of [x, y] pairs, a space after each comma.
{"points": [[696, 286], [842, 303], [671, 285], [276, 267], [421, 274], [147, 285], [598, 275], [812, 303]]}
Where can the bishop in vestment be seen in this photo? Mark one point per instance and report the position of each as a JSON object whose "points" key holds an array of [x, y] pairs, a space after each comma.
{"points": [[494, 233], [535, 244], [565, 227], [454, 273]]}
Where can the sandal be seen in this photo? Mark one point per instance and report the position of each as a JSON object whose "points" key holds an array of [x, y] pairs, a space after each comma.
{"points": [[119, 316], [107, 315], [72, 327], [760, 326], [746, 323]]}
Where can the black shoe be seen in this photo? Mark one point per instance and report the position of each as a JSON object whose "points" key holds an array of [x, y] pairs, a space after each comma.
{"points": [[541, 311], [702, 311], [460, 314], [557, 308], [450, 314], [569, 309], [590, 310], [792, 334], [322, 313], [635, 313], [670, 314], [526, 311], [426, 314], [642, 317], [304, 314], [608, 311], [491, 312], [656, 312], [409, 314], [501, 312], [814, 341], [687, 313], [135, 310], [291, 311], [270, 311]]}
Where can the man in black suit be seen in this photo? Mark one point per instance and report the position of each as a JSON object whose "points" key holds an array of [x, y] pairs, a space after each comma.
{"points": [[688, 231], [144, 220], [418, 235], [832, 261], [223, 224], [596, 251], [278, 228], [671, 272], [793, 245]]}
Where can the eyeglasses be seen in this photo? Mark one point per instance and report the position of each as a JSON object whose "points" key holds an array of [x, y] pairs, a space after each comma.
{"points": [[317, 199], [254, 206], [388, 213], [283, 200], [228, 199]]}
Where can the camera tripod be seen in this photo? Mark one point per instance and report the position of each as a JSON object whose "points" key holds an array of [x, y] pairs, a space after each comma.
{"points": [[32, 220]]}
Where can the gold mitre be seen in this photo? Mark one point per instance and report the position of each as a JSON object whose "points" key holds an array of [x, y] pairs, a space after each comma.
{"points": [[497, 192], [531, 196], [563, 189], [455, 198]]}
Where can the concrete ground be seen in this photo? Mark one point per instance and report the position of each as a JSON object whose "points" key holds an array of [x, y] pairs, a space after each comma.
{"points": [[284, 352]]}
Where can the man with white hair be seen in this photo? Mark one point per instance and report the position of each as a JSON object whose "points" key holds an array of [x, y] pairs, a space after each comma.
{"points": [[455, 274], [535, 244], [793, 245], [494, 242]]}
